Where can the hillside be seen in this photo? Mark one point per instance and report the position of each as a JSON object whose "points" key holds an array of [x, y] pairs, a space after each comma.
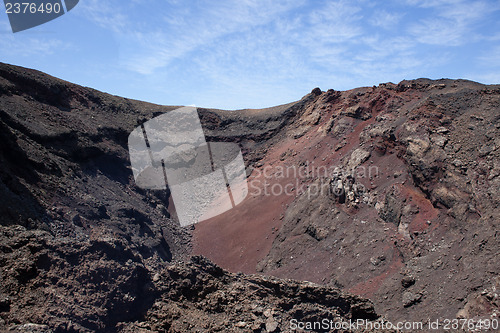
{"points": [[83, 249], [388, 193]]}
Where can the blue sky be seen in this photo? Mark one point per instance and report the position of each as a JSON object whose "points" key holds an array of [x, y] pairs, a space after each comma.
{"points": [[251, 53]]}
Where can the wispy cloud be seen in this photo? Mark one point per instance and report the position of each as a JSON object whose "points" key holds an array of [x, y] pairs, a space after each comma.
{"points": [[28, 44], [189, 29], [452, 21], [433, 3], [240, 53], [334, 23], [5, 26], [337, 41], [465, 13], [385, 19], [437, 31], [106, 14], [490, 58]]}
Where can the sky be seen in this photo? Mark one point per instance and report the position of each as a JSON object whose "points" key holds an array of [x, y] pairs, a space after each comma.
{"points": [[251, 53]]}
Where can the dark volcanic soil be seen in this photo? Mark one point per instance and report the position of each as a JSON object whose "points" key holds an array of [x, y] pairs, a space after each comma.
{"points": [[83, 249], [54, 285]]}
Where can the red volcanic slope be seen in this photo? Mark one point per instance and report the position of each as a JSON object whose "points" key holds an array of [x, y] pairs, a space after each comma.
{"points": [[433, 200]]}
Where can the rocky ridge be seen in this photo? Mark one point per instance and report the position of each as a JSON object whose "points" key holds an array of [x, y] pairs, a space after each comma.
{"points": [[410, 194], [54, 285], [83, 249]]}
